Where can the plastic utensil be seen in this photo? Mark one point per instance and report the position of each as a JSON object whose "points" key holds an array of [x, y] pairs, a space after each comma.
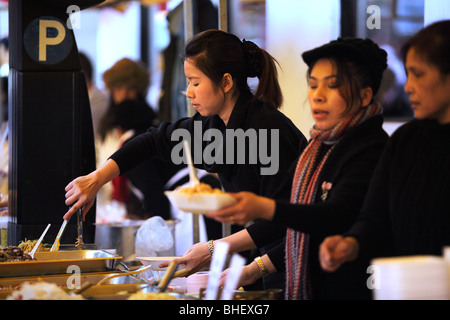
{"points": [[192, 172], [167, 276], [39, 242]]}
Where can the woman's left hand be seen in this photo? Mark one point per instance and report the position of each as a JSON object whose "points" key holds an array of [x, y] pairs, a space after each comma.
{"points": [[248, 207]]}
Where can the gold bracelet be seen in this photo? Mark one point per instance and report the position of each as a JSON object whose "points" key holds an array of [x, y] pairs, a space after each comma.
{"points": [[211, 248], [262, 266]]}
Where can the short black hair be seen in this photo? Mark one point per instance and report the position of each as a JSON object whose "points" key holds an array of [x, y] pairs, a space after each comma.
{"points": [[433, 44]]}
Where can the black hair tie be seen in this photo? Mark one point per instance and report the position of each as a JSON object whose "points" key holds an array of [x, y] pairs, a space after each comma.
{"points": [[253, 58]]}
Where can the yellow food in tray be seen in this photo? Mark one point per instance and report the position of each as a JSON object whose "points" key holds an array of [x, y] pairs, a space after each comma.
{"points": [[152, 296], [199, 188], [199, 199], [28, 245]]}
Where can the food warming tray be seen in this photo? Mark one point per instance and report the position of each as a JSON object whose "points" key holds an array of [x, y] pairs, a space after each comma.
{"points": [[58, 262]]}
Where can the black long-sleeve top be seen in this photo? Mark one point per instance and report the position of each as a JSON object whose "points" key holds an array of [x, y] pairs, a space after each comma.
{"points": [[349, 168], [234, 176], [407, 209]]}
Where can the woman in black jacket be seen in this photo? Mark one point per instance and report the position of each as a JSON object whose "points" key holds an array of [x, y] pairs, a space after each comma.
{"points": [[217, 66], [406, 211], [331, 175]]}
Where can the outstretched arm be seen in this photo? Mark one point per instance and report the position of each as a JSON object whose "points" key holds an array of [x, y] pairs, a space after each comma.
{"points": [[82, 191]]}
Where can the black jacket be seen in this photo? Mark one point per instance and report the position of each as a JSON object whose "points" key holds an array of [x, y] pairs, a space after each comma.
{"points": [[406, 211], [234, 176]]}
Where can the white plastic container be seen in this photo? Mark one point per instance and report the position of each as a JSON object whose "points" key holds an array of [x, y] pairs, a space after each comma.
{"points": [[197, 281], [411, 278]]}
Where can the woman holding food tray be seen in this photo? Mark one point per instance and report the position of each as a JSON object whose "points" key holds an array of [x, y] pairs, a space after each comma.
{"points": [[217, 65], [330, 178]]}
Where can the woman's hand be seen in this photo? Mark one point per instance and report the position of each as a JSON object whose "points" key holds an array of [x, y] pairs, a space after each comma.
{"points": [[250, 273], [249, 207], [195, 258], [81, 192], [336, 250]]}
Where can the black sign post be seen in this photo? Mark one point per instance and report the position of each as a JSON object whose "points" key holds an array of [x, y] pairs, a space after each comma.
{"points": [[51, 135]]}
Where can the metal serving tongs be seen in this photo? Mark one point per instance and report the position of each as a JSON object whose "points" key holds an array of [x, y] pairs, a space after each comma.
{"points": [[79, 244], [128, 273]]}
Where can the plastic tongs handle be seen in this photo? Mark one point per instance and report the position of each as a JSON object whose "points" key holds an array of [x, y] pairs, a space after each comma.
{"points": [[167, 276], [192, 172], [39, 242], [55, 245]]}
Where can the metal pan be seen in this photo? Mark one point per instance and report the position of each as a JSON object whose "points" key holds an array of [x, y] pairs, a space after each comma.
{"points": [[58, 262]]}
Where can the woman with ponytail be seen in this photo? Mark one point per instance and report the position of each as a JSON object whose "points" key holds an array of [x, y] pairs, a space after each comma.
{"points": [[217, 66], [330, 177]]}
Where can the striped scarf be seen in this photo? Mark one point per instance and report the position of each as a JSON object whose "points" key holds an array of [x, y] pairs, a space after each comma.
{"points": [[304, 188]]}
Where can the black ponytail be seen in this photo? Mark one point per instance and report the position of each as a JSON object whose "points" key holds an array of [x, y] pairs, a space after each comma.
{"points": [[216, 52]]}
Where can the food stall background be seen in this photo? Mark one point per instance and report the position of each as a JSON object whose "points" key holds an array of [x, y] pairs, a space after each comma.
{"points": [[105, 32]]}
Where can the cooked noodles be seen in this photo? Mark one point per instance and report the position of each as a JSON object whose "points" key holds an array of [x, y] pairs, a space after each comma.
{"points": [[199, 188], [28, 245]]}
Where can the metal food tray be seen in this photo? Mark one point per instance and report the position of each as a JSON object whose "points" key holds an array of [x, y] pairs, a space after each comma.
{"points": [[58, 262]]}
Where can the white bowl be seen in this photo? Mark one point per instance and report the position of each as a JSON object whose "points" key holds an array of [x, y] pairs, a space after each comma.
{"points": [[154, 262], [199, 203]]}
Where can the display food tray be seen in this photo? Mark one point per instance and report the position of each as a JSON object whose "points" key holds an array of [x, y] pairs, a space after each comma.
{"points": [[59, 261], [120, 288]]}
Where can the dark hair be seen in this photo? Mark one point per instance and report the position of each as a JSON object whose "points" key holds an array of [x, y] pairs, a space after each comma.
{"points": [[432, 43], [136, 115], [5, 43], [360, 63], [216, 52], [351, 78]]}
